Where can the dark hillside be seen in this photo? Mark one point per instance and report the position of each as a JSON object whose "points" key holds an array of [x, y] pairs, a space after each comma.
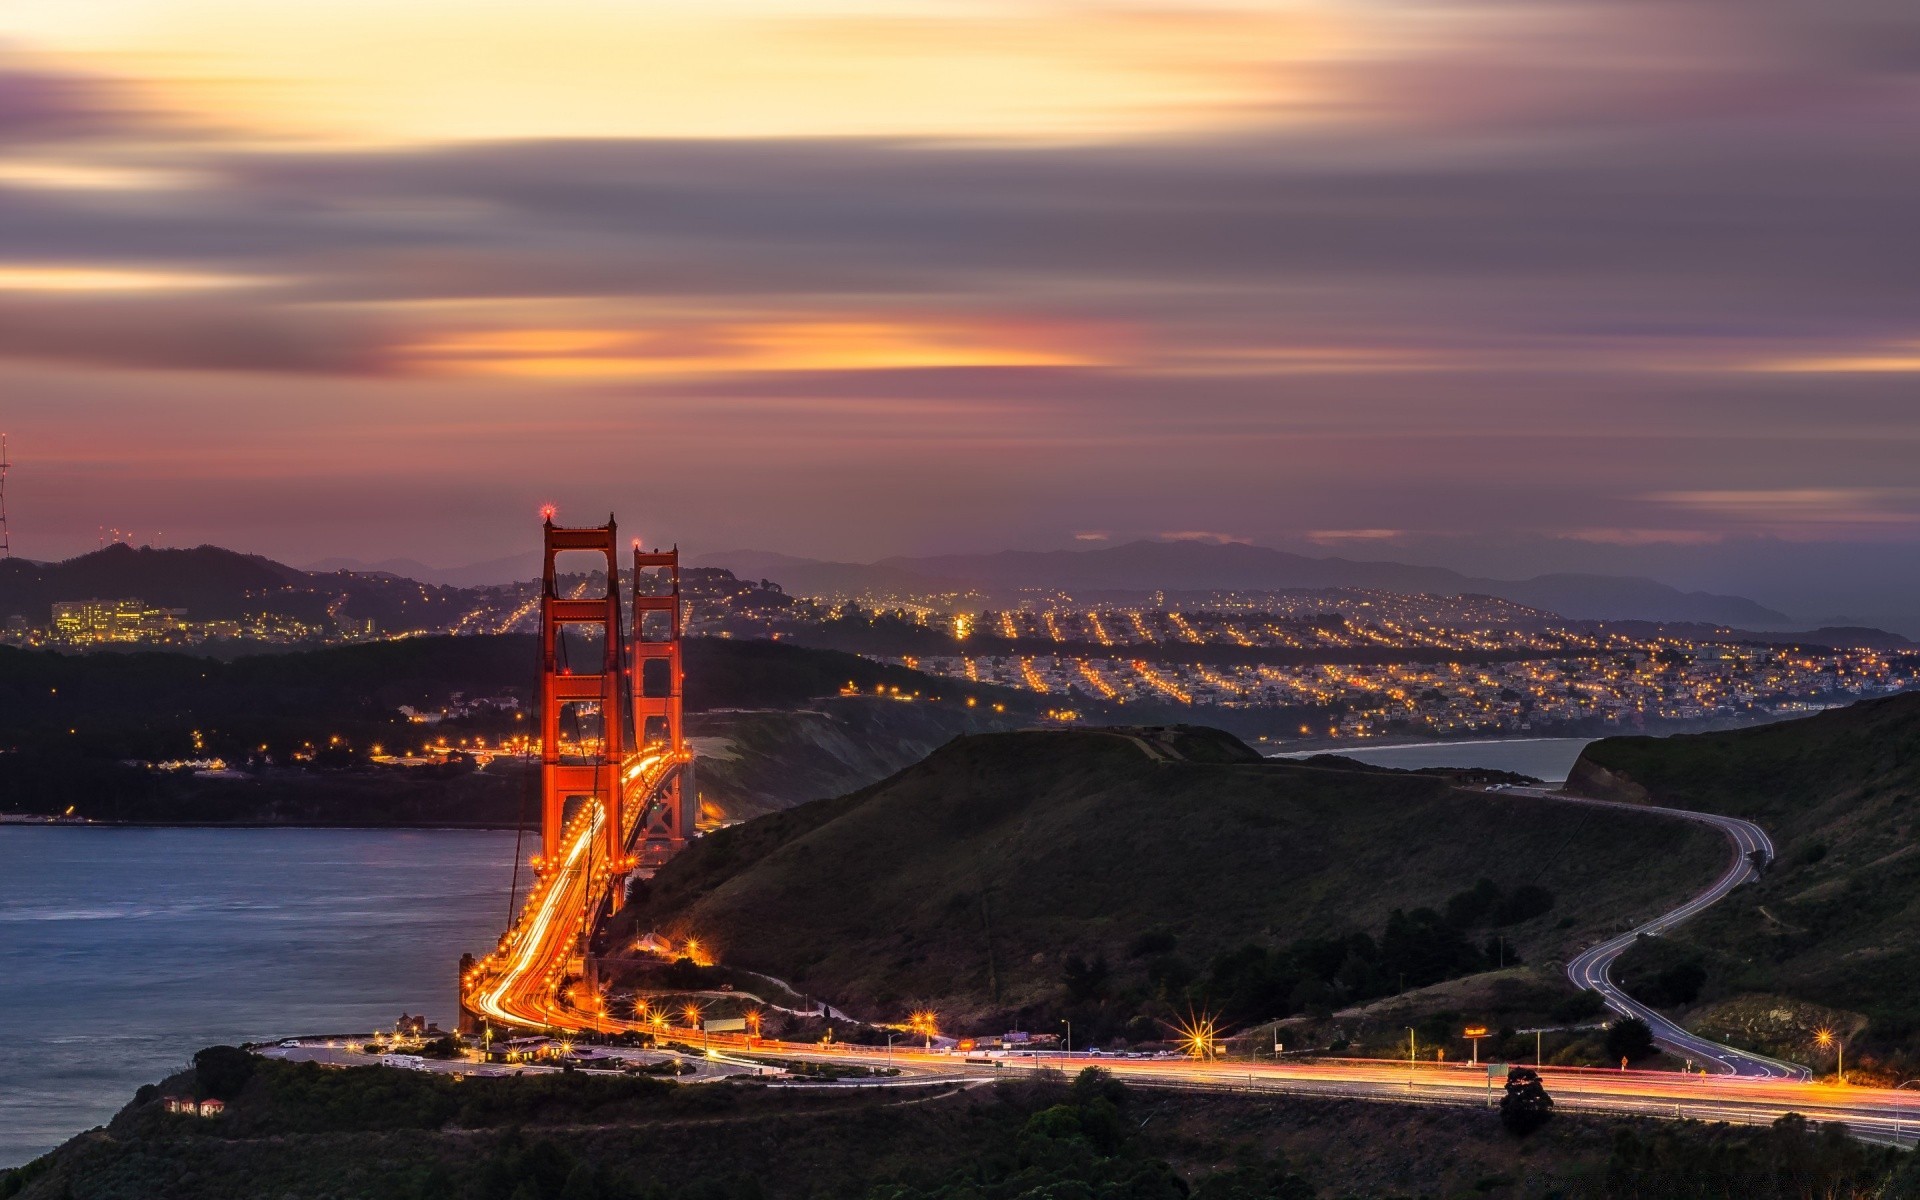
{"points": [[1837, 919], [971, 879], [298, 1132], [74, 729]]}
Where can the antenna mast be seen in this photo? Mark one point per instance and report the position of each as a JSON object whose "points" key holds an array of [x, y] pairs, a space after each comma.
{"points": [[6, 546]]}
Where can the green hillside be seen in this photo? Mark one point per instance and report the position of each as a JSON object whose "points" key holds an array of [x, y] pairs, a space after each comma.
{"points": [[1837, 919], [1062, 871]]}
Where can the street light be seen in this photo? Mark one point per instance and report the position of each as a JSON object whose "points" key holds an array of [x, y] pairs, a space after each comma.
{"points": [[1069, 1025], [1825, 1037]]}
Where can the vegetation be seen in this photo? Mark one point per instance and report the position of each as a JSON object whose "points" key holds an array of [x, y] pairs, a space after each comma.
{"points": [[303, 1132], [1835, 922], [1524, 1105], [1629, 1038], [1031, 877]]}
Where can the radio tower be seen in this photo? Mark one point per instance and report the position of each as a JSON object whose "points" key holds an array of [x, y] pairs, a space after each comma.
{"points": [[6, 547]]}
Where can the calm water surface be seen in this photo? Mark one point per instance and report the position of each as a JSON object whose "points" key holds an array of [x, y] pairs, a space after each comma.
{"points": [[1543, 758], [122, 951]]}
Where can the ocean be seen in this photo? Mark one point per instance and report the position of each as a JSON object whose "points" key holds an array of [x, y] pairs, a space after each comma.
{"points": [[1543, 758], [124, 950]]}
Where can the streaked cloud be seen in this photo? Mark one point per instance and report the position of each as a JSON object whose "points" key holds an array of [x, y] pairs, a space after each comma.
{"points": [[1310, 271], [687, 348], [1203, 535], [1787, 511], [1335, 537], [56, 278]]}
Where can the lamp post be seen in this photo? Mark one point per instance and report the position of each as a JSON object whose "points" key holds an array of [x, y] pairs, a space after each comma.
{"points": [[1826, 1038], [1069, 1025], [1409, 1059]]}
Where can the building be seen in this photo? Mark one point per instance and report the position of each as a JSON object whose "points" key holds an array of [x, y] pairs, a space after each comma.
{"points": [[125, 620]]}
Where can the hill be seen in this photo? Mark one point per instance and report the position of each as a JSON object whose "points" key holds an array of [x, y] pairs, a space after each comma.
{"points": [[1113, 870], [75, 729], [1836, 921], [1191, 565]]}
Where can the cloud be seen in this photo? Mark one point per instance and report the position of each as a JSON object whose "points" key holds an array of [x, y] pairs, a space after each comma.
{"points": [[42, 102], [1647, 537], [1791, 510], [1334, 537], [1203, 535], [1513, 268]]}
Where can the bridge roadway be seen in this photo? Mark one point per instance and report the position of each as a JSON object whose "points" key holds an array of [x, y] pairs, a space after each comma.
{"points": [[1592, 968], [518, 983]]}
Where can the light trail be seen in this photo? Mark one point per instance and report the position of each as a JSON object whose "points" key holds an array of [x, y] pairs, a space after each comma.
{"points": [[519, 983]]}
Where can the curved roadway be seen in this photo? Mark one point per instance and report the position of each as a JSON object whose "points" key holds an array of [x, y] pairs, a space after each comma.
{"points": [[1592, 968]]}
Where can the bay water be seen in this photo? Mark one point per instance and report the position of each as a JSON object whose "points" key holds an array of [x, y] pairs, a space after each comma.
{"points": [[124, 950]]}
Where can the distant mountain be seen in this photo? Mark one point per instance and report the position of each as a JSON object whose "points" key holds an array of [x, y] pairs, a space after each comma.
{"points": [[215, 584], [515, 568], [206, 579], [1187, 566]]}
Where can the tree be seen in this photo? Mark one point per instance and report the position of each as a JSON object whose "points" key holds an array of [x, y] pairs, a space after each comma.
{"points": [[222, 1071], [1629, 1038], [1526, 1106]]}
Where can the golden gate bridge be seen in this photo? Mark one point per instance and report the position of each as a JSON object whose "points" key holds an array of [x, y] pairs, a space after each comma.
{"points": [[614, 801]]}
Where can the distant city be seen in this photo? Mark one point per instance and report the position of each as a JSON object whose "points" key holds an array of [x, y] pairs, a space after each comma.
{"points": [[1339, 663]]}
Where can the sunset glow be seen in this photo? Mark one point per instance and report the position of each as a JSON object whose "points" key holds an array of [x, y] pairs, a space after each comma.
{"points": [[1459, 282]]}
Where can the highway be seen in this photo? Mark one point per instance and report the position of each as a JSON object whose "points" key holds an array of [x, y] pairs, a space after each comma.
{"points": [[1591, 968], [519, 986], [1891, 1117]]}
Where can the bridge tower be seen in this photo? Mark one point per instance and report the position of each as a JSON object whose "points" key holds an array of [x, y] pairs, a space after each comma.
{"points": [[656, 702], [603, 684]]}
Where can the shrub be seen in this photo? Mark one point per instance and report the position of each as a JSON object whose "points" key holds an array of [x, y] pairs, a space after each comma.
{"points": [[1629, 1038], [1526, 1106]]}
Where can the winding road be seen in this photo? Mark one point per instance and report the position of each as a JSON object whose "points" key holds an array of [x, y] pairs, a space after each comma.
{"points": [[1592, 968]]}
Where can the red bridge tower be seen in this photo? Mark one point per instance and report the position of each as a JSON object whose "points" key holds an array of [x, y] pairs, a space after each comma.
{"points": [[594, 776], [655, 700]]}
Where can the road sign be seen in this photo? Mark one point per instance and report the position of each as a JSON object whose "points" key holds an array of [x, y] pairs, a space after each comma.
{"points": [[1495, 1070], [726, 1025]]}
